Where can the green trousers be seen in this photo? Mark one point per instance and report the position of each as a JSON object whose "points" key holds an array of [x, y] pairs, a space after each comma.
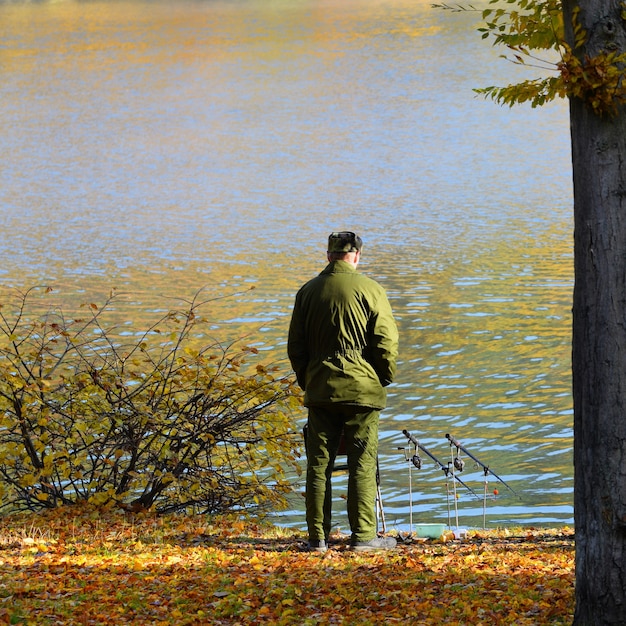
{"points": [[324, 429]]}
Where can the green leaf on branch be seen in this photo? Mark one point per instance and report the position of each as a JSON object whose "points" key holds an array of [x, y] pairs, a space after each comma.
{"points": [[527, 28]]}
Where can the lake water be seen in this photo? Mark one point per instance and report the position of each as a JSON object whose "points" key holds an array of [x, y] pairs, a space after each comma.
{"points": [[160, 147]]}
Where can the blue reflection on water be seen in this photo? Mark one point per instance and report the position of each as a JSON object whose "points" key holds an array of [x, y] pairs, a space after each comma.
{"points": [[220, 147]]}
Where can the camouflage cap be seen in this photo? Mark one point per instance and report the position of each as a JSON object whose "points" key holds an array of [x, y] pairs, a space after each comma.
{"points": [[344, 241]]}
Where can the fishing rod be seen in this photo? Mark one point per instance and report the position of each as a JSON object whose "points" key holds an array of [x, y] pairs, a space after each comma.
{"points": [[417, 461], [458, 462]]}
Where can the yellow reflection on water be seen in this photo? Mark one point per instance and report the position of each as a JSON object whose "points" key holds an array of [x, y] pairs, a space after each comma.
{"points": [[160, 148]]}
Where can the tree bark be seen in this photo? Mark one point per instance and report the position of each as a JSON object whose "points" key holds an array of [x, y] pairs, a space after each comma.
{"points": [[599, 335]]}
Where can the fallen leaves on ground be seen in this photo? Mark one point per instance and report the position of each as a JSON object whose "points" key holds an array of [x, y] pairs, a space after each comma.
{"points": [[93, 568]]}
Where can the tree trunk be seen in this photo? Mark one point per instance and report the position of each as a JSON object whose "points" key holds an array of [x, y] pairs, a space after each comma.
{"points": [[599, 336]]}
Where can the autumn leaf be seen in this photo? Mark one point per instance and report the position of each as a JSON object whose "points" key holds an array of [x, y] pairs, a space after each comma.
{"points": [[88, 566]]}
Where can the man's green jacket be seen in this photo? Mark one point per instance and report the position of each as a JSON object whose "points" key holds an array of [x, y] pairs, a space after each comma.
{"points": [[343, 339]]}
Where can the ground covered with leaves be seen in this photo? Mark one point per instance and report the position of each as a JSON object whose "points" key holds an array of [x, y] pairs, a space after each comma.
{"points": [[66, 567]]}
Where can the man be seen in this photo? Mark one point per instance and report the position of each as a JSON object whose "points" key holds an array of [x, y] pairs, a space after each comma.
{"points": [[343, 345]]}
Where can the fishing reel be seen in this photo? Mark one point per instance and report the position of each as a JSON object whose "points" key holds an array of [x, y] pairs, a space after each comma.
{"points": [[459, 463], [415, 459]]}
